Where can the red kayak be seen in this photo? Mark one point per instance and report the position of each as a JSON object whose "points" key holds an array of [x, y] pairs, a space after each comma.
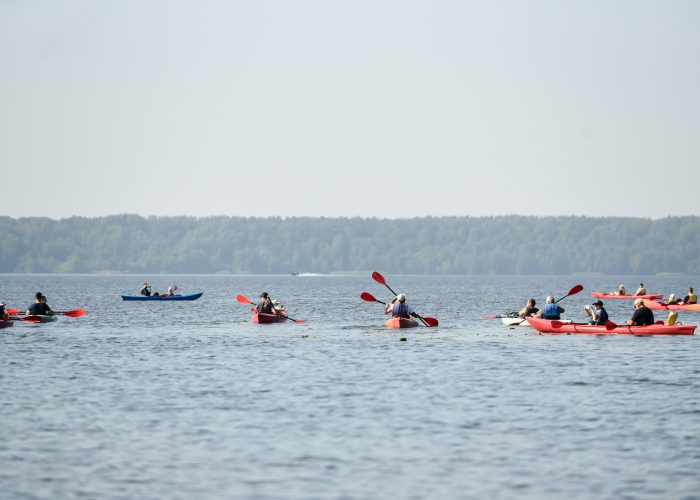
{"points": [[264, 318], [401, 323], [554, 326], [651, 296], [658, 306]]}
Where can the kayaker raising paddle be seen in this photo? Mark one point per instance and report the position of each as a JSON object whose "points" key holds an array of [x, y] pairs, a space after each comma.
{"points": [[398, 307]]}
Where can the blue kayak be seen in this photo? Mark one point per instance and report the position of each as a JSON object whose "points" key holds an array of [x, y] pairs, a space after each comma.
{"points": [[187, 296]]}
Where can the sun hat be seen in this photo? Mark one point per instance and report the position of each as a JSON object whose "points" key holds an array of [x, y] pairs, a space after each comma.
{"points": [[401, 297]]}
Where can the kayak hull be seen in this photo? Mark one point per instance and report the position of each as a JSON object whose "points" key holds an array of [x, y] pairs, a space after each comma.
{"points": [[266, 319], [401, 323], [659, 306], [650, 296], [187, 296], [518, 321], [5, 324], [549, 326]]}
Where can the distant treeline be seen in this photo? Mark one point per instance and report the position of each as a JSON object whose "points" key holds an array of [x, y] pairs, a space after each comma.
{"points": [[459, 245]]}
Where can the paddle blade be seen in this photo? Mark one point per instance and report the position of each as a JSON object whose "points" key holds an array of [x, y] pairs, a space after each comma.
{"points": [[378, 278], [75, 313], [609, 325], [368, 297], [243, 299], [574, 290], [13, 311], [31, 319], [431, 321]]}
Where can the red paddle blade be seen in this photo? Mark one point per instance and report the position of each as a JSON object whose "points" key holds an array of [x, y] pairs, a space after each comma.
{"points": [[368, 297], [243, 299], [431, 321], [12, 311], [32, 319], [75, 313], [378, 278], [574, 290], [609, 325]]}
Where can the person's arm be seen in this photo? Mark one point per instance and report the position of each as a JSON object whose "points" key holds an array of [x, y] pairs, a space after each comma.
{"points": [[389, 306], [561, 309]]}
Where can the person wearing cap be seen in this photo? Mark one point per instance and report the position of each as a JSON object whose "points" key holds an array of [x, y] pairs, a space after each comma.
{"points": [[398, 307], [642, 315], [529, 309], [39, 307], [146, 290], [278, 306], [641, 290], [551, 310], [599, 316], [3, 312], [265, 306]]}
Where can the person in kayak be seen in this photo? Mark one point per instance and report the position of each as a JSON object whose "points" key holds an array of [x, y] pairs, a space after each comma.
{"points": [[39, 307], [551, 310], [278, 306], [265, 306], [641, 290], [398, 307], [642, 315], [691, 298], [672, 299], [599, 316], [146, 290], [529, 309], [620, 290], [171, 291], [3, 313]]}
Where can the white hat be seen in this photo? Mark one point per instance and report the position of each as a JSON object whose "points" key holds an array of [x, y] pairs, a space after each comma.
{"points": [[638, 301], [401, 297], [2, 304]]}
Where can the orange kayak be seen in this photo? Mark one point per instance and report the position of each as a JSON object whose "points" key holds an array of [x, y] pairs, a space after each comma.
{"points": [[659, 306], [400, 323], [651, 296]]}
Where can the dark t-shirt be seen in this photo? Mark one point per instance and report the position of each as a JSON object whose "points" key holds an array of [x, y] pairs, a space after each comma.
{"points": [[265, 309], [39, 308], [643, 316], [602, 316]]}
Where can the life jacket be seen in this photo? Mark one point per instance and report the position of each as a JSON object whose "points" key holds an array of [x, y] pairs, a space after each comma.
{"points": [[551, 311], [692, 298], [400, 310]]}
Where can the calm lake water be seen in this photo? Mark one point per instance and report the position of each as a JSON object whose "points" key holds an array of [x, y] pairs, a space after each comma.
{"points": [[191, 400]]}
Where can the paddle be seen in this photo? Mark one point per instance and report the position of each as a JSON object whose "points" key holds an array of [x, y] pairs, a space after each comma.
{"points": [[75, 313], [574, 290], [427, 321], [245, 300]]}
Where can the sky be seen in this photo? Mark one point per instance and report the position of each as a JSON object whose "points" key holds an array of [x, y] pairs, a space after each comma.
{"points": [[390, 109]]}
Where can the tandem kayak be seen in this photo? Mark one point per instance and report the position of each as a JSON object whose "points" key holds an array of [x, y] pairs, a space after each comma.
{"points": [[518, 321], [5, 324], [658, 306], [187, 296], [400, 323], [265, 319], [651, 296], [553, 326]]}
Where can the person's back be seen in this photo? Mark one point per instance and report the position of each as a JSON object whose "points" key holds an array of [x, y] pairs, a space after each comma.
{"points": [[621, 290], [691, 298], [551, 310], [146, 290], [642, 316], [641, 290], [398, 307], [39, 307]]}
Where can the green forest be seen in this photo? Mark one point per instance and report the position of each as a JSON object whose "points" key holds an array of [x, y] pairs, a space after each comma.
{"points": [[426, 245]]}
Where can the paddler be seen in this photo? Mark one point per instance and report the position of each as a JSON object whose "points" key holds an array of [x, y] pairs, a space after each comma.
{"points": [[3, 312], [398, 307], [620, 290], [691, 298], [641, 290], [529, 309], [599, 316], [551, 310], [146, 290], [265, 306], [642, 315], [39, 307]]}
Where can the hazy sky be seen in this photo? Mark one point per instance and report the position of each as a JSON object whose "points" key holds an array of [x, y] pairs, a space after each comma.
{"points": [[352, 108]]}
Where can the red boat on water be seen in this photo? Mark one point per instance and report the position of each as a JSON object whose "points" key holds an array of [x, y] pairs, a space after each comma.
{"points": [[650, 296], [401, 323], [264, 318], [554, 326], [661, 306]]}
